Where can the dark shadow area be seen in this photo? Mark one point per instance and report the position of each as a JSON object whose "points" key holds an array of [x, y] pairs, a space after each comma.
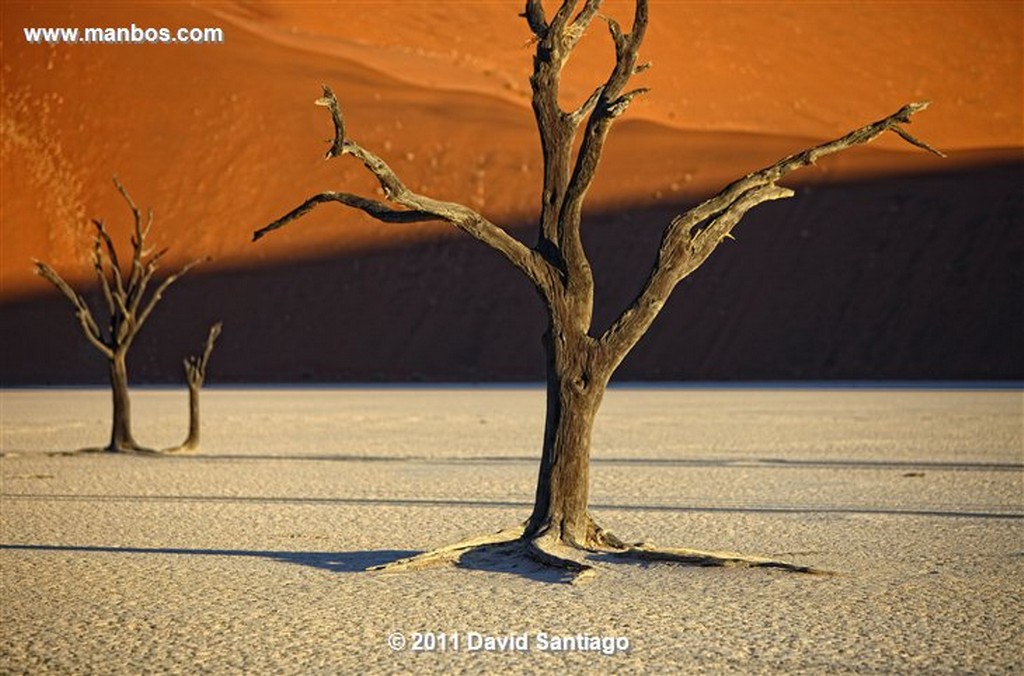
{"points": [[915, 277], [523, 505], [508, 558], [335, 562]]}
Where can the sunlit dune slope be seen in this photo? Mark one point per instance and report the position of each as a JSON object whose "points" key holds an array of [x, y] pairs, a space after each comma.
{"points": [[220, 139]]}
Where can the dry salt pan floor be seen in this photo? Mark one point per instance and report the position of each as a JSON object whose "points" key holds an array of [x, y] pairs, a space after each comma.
{"points": [[250, 556]]}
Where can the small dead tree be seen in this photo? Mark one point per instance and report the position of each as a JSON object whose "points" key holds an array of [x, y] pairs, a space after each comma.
{"points": [[128, 301], [195, 376], [560, 531]]}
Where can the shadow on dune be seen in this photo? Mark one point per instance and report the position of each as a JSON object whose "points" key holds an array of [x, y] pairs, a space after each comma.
{"points": [[916, 277]]}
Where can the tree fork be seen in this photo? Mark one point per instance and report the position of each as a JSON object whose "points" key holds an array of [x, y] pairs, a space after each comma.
{"points": [[195, 376], [560, 532], [128, 301]]}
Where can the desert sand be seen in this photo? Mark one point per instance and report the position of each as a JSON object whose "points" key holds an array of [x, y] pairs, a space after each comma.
{"points": [[920, 255], [250, 556]]}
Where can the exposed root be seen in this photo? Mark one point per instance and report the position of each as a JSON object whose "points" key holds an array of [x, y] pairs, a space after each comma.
{"points": [[506, 549], [183, 449], [694, 557], [547, 551], [450, 554], [123, 450]]}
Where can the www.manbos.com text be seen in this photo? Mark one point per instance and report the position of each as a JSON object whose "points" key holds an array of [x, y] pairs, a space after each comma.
{"points": [[123, 35]]}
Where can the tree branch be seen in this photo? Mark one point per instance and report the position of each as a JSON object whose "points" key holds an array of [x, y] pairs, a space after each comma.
{"points": [[609, 105], [101, 276], [534, 15], [330, 101], [82, 311], [416, 207], [195, 367], [157, 296], [378, 210], [138, 242], [560, 22], [587, 106], [146, 271], [686, 244], [604, 106], [115, 265], [580, 24]]}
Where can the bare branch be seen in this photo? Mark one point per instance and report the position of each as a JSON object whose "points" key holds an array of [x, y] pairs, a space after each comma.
{"points": [[378, 210], [587, 106], [686, 244], [211, 338], [699, 245], [195, 367], [534, 15], [416, 208], [138, 242], [586, 15], [128, 198], [82, 311], [145, 271], [158, 295], [808, 157], [905, 135], [616, 30], [115, 265], [329, 101], [619, 105], [604, 105], [52, 276], [580, 24], [101, 276], [151, 263], [560, 21]]}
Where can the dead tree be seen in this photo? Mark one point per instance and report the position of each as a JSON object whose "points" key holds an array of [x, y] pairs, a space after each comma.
{"points": [[128, 302], [560, 531], [195, 376]]}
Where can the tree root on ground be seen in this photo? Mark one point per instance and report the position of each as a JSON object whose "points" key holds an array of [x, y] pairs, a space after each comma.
{"points": [[182, 449], [124, 450], [506, 549]]}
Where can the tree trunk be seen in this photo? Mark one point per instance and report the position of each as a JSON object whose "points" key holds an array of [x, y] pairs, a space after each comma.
{"points": [[121, 431], [192, 442], [574, 393]]}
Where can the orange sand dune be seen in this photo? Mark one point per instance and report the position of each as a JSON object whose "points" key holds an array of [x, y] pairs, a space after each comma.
{"points": [[222, 138], [792, 68]]}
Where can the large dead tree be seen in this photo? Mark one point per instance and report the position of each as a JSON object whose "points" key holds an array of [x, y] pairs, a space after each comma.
{"points": [[128, 301], [195, 376], [560, 531]]}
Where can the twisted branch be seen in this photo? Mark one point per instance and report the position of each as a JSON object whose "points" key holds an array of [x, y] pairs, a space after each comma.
{"points": [[691, 237], [415, 207]]}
